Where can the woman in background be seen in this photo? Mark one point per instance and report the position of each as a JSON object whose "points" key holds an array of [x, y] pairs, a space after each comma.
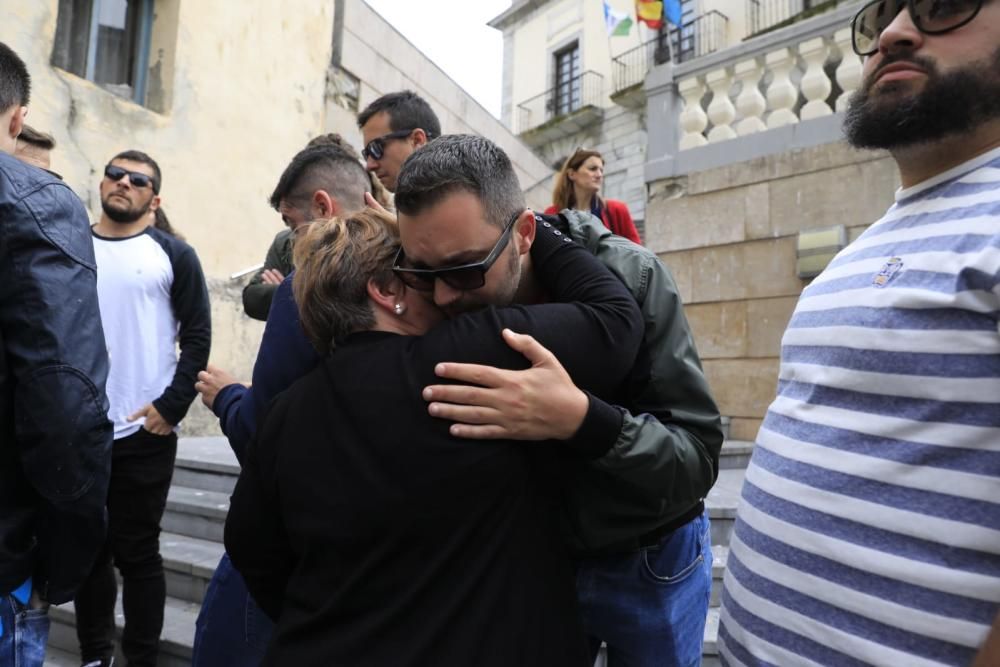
{"points": [[577, 185]]}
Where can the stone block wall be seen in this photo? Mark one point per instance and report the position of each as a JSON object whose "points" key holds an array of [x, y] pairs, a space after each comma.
{"points": [[729, 236]]}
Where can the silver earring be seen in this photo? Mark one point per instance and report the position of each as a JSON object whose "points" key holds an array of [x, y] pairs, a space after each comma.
{"points": [[399, 308]]}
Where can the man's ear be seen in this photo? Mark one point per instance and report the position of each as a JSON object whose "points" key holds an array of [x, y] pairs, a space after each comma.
{"points": [[17, 122], [386, 296], [323, 206], [418, 137], [154, 203], [524, 232]]}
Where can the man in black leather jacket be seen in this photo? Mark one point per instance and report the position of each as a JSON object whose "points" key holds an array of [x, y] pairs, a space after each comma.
{"points": [[55, 437]]}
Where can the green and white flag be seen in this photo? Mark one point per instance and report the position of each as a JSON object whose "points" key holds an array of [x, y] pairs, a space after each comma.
{"points": [[619, 23]]}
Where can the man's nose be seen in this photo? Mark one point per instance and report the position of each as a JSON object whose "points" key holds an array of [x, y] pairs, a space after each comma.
{"points": [[901, 34], [370, 164], [445, 294]]}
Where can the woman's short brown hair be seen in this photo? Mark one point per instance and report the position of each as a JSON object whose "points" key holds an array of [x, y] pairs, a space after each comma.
{"points": [[334, 263], [562, 193]]}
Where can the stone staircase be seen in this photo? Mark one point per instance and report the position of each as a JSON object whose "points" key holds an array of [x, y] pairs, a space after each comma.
{"points": [[191, 544]]}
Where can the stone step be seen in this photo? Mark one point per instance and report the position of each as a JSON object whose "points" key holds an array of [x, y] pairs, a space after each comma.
{"points": [[196, 513], [178, 636], [57, 658], [189, 564], [735, 454], [720, 555], [207, 464], [710, 648], [721, 503], [176, 640]]}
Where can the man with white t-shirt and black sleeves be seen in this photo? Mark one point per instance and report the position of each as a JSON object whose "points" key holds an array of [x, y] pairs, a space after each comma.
{"points": [[152, 295]]}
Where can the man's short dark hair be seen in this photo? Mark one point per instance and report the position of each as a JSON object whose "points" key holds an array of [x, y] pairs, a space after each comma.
{"points": [[460, 163], [140, 157], [322, 167], [15, 82], [36, 138], [407, 111]]}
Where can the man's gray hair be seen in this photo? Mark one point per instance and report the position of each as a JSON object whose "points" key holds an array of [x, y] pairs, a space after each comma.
{"points": [[460, 163]]}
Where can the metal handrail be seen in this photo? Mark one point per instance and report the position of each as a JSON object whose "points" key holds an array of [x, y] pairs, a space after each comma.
{"points": [[630, 68], [562, 100], [705, 34], [762, 15]]}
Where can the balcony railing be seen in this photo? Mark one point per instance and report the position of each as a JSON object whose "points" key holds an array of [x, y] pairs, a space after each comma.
{"points": [[561, 101], [778, 92], [765, 15], [705, 34], [792, 75], [630, 68]]}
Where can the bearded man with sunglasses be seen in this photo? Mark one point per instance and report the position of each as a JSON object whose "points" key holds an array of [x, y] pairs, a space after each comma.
{"points": [[868, 529], [152, 296], [634, 512]]}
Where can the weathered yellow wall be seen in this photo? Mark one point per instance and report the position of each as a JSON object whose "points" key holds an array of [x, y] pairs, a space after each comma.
{"points": [[729, 236], [245, 91]]}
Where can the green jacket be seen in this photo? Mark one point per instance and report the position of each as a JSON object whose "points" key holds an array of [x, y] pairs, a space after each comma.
{"points": [[666, 457], [257, 295]]}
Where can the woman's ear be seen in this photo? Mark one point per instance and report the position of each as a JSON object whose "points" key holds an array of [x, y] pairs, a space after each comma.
{"points": [[386, 296]]}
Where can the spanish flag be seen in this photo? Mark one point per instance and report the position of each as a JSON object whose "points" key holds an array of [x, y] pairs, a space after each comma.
{"points": [[651, 12]]}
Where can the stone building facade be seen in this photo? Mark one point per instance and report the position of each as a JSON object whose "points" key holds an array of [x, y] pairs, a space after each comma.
{"points": [[746, 166]]}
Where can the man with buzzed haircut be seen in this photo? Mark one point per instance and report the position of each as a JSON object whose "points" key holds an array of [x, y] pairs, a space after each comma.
{"points": [[259, 292], [322, 181], [55, 437], [393, 126]]}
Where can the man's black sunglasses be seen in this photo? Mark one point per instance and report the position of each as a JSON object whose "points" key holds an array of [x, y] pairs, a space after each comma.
{"points": [[136, 178], [464, 278], [931, 17], [375, 148]]}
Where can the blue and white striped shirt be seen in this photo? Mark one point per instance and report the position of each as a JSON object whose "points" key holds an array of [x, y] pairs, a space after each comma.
{"points": [[869, 526]]}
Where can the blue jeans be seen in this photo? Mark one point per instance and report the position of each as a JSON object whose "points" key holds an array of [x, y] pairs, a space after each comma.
{"points": [[231, 630], [650, 606], [25, 632]]}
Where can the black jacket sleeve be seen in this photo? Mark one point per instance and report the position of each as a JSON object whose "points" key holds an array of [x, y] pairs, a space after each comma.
{"points": [[592, 325], [189, 298], [53, 369], [257, 295]]}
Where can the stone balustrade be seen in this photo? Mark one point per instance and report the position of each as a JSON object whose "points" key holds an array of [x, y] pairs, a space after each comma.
{"points": [[778, 91], [768, 89]]}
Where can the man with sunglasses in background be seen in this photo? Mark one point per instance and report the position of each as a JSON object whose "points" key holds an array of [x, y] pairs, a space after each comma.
{"points": [[393, 126], [152, 297], [868, 528], [635, 516]]}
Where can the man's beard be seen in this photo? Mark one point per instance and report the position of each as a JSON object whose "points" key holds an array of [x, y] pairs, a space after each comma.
{"points": [[953, 103], [126, 215]]}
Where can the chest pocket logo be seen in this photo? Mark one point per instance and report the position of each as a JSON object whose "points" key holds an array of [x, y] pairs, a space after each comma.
{"points": [[888, 272]]}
